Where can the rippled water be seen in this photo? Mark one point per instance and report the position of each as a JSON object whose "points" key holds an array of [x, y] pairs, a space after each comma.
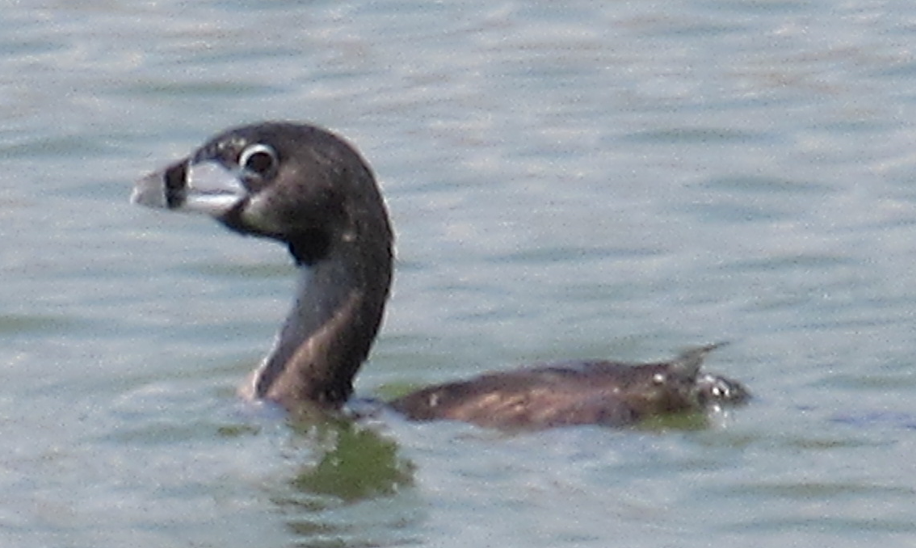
{"points": [[581, 180]]}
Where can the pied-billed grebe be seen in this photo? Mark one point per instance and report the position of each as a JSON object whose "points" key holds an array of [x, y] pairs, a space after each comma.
{"points": [[307, 188]]}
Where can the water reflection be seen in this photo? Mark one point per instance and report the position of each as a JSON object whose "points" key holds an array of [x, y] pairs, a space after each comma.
{"points": [[356, 462], [353, 491]]}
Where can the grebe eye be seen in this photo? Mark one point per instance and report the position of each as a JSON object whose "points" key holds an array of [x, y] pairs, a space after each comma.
{"points": [[258, 159]]}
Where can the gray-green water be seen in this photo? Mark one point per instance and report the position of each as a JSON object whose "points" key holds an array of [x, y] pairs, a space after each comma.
{"points": [[616, 179]]}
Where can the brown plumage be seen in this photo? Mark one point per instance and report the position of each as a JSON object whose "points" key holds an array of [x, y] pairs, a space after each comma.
{"points": [[309, 189]]}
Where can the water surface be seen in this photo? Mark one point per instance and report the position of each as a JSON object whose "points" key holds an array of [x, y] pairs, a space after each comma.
{"points": [[587, 180]]}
